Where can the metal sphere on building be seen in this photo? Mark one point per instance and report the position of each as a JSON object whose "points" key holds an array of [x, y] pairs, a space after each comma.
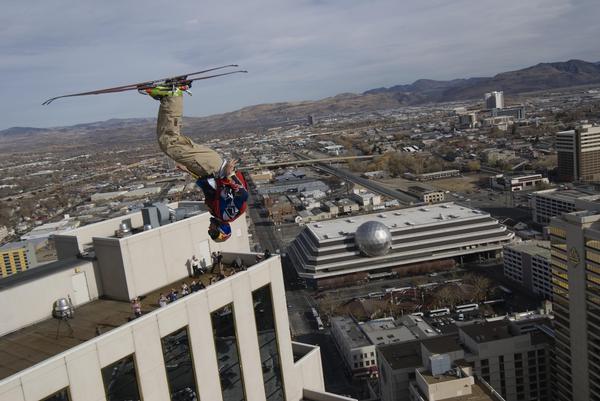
{"points": [[373, 238]]}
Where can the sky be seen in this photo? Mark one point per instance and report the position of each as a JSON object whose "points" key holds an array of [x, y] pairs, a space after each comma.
{"points": [[293, 50]]}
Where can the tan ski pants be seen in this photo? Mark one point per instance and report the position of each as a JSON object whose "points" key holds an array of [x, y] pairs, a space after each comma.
{"points": [[198, 159]]}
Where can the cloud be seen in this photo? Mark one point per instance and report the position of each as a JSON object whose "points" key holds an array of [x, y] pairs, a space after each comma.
{"points": [[294, 50]]}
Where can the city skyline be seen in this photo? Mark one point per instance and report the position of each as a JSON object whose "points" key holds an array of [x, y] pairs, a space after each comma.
{"points": [[305, 51]]}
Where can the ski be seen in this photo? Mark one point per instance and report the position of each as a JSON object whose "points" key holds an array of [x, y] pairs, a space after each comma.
{"points": [[178, 79]]}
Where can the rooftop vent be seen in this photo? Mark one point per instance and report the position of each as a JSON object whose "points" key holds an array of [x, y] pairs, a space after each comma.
{"points": [[423, 209], [350, 221], [383, 216], [62, 310], [409, 223]]}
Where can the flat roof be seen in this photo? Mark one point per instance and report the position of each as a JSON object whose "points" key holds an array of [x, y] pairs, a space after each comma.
{"points": [[351, 331], [487, 331], [33, 344], [386, 332], [442, 344], [403, 218], [533, 248], [569, 195], [402, 355], [478, 392]]}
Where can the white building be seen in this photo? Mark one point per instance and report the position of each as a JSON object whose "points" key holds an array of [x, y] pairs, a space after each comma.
{"points": [[510, 357], [554, 202], [357, 341], [365, 198], [494, 100], [357, 351], [46, 230], [528, 263], [419, 235], [230, 341], [517, 183]]}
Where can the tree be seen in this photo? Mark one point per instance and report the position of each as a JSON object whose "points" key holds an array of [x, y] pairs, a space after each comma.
{"points": [[446, 296], [481, 286], [473, 165]]}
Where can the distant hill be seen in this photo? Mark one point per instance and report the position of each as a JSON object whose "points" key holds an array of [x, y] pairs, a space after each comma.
{"points": [[542, 76], [539, 77]]}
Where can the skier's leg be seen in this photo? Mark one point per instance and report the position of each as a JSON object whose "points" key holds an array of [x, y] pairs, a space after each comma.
{"points": [[199, 159]]}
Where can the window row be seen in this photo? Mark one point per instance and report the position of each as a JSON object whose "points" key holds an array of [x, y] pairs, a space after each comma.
{"points": [[121, 382]]}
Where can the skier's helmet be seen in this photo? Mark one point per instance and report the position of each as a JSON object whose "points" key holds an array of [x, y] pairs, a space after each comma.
{"points": [[218, 231]]}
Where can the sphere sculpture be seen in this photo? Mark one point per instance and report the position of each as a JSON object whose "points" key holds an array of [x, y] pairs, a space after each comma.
{"points": [[373, 238]]}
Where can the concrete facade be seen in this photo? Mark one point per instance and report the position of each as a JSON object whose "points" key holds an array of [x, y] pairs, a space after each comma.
{"points": [[78, 370], [512, 357], [575, 241], [419, 235], [578, 154], [528, 263]]}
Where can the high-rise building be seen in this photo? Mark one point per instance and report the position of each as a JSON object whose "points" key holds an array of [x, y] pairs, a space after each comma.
{"points": [[578, 153], [554, 202], [228, 341], [494, 100], [16, 257], [528, 263], [575, 241], [510, 356]]}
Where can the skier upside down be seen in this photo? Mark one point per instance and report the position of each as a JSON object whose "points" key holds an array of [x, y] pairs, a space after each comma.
{"points": [[225, 190]]}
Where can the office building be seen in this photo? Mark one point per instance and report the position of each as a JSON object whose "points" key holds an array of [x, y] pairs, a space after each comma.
{"points": [[436, 175], [528, 264], [518, 113], [419, 235], [426, 195], [512, 357], [494, 100], [228, 341], [16, 257], [357, 341], [457, 384], [575, 241], [554, 202], [578, 153], [517, 183]]}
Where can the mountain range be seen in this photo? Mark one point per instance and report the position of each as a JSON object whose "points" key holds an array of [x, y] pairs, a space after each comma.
{"points": [[539, 77]]}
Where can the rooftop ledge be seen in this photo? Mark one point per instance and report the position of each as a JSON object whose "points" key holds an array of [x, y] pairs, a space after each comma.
{"points": [[38, 342]]}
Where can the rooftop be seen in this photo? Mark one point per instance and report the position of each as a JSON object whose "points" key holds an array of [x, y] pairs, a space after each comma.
{"points": [[478, 393], [399, 219], [488, 331], [442, 344], [35, 343], [569, 195], [533, 248], [402, 355], [351, 331], [386, 331]]}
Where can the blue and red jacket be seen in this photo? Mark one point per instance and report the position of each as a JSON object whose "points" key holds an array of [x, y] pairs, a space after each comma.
{"points": [[225, 197]]}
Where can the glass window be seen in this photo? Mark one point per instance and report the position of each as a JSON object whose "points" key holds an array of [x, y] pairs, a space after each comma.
{"points": [[179, 365], [228, 358], [62, 395], [120, 380], [267, 342]]}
